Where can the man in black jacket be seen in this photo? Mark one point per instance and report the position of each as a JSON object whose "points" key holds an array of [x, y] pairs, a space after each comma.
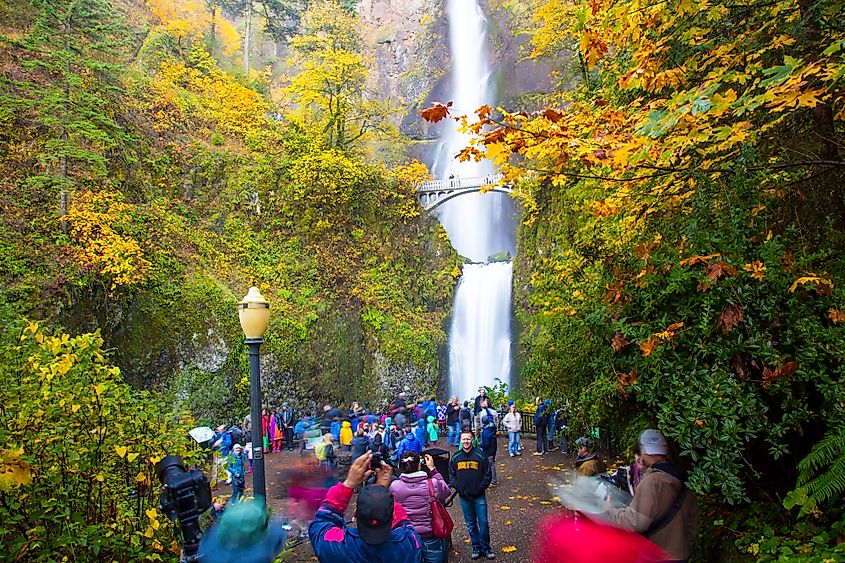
{"points": [[453, 411], [287, 421], [470, 475]]}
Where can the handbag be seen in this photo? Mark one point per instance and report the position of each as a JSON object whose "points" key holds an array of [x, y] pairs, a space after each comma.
{"points": [[441, 522]]}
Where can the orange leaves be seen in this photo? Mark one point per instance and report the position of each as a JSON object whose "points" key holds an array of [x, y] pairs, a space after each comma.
{"points": [[718, 269], [436, 113], [693, 260], [714, 270], [552, 115], [771, 375], [731, 316], [655, 339], [618, 342], [836, 315]]}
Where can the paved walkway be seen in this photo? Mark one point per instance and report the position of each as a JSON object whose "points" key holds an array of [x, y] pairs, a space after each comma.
{"points": [[521, 498]]}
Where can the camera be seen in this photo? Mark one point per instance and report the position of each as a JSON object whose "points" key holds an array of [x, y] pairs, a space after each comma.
{"points": [[375, 461], [185, 495]]}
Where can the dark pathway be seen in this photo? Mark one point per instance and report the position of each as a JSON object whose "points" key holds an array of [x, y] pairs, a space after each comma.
{"points": [[515, 506]]}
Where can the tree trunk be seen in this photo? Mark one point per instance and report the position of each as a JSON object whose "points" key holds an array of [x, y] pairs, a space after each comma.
{"points": [[247, 34]]}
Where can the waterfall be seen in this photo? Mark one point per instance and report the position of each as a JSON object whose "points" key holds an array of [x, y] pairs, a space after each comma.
{"points": [[479, 225]]}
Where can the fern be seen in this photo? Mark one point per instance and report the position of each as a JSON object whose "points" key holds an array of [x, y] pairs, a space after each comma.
{"points": [[821, 475]]}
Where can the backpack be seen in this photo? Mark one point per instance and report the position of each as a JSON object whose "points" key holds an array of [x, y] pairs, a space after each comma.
{"points": [[237, 434]]}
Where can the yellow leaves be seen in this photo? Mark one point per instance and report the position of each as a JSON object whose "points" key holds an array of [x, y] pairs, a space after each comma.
{"points": [[14, 471], [121, 450], [693, 260], [822, 284], [655, 339], [509, 549], [504, 507], [592, 47], [757, 270]]}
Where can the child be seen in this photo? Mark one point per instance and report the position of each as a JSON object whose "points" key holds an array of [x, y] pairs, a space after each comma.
{"points": [[441, 418], [433, 432], [235, 467]]}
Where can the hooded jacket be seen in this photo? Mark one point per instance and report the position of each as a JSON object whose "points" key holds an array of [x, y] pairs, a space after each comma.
{"points": [[656, 492], [411, 491], [359, 444], [488, 438], [469, 473], [333, 540], [421, 433], [431, 429], [346, 433]]}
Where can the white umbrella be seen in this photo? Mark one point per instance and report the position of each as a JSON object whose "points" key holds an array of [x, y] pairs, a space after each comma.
{"points": [[202, 434]]}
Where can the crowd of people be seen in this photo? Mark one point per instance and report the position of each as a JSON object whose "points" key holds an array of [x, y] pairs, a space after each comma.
{"points": [[391, 463]]}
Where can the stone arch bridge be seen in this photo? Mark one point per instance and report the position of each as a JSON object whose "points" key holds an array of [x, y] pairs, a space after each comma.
{"points": [[433, 194]]}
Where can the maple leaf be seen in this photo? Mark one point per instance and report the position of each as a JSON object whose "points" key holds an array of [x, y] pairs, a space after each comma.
{"points": [[509, 549], [757, 270], [483, 112], [618, 342], [648, 346], [836, 315], [436, 113], [718, 269], [770, 375], [693, 260], [552, 115], [731, 316], [626, 379]]}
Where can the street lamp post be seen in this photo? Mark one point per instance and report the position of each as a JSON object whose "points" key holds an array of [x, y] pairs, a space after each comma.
{"points": [[254, 314]]}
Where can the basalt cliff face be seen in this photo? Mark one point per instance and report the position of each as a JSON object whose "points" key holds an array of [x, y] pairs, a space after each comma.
{"points": [[410, 52]]}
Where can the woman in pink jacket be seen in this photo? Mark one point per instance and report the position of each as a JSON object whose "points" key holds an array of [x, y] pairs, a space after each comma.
{"points": [[414, 490]]}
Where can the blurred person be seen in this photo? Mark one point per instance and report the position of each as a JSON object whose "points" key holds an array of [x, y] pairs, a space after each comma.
{"points": [[470, 475], [513, 425], [541, 421], [482, 395], [663, 509], [408, 444], [421, 433], [465, 419], [383, 533], [275, 437], [244, 532], [377, 446], [441, 419], [414, 490], [359, 443], [587, 463], [346, 436]]}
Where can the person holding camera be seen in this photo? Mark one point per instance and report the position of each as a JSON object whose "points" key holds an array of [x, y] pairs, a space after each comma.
{"points": [[383, 533], [236, 467], [415, 490]]}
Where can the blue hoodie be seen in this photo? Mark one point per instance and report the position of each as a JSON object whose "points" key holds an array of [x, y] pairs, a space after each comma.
{"points": [[421, 433]]}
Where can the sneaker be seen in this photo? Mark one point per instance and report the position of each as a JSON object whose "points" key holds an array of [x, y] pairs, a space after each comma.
{"points": [[538, 453], [552, 449], [512, 454], [475, 555], [490, 555]]}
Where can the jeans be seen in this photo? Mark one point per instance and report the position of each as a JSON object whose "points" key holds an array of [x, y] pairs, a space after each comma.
{"points": [[542, 444], [433, 550], [513, 443], [454, 434], [289, 438], [236, 491], [492, 461], [475, 518]]}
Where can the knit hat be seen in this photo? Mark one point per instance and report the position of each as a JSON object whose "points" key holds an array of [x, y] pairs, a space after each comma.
{"points": [[243, 524], [653, 442]]}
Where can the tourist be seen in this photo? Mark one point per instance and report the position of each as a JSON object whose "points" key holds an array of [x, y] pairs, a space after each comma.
{"points": [[482, 395], [470, 475], [326, 420], [465, 419], [346, 436], [359, 444], [383, 533], [408, 444], [663, 509], [421, 433], [453, 413], [587, 463], [276, 429], [489, 444], [415, 490], [324, 451], [561, 424], [236, 467], [286, 418], [377, 446], [486, 410], [432, 431], [541, 420], [265, 429], [513, 425], [441, 419], [245, 532]]}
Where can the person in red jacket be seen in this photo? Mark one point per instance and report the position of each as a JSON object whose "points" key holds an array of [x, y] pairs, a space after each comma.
{"points": [[383, 535]]}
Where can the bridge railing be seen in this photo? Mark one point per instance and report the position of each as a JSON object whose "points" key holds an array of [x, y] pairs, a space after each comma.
{"points": [[458, 183]]}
